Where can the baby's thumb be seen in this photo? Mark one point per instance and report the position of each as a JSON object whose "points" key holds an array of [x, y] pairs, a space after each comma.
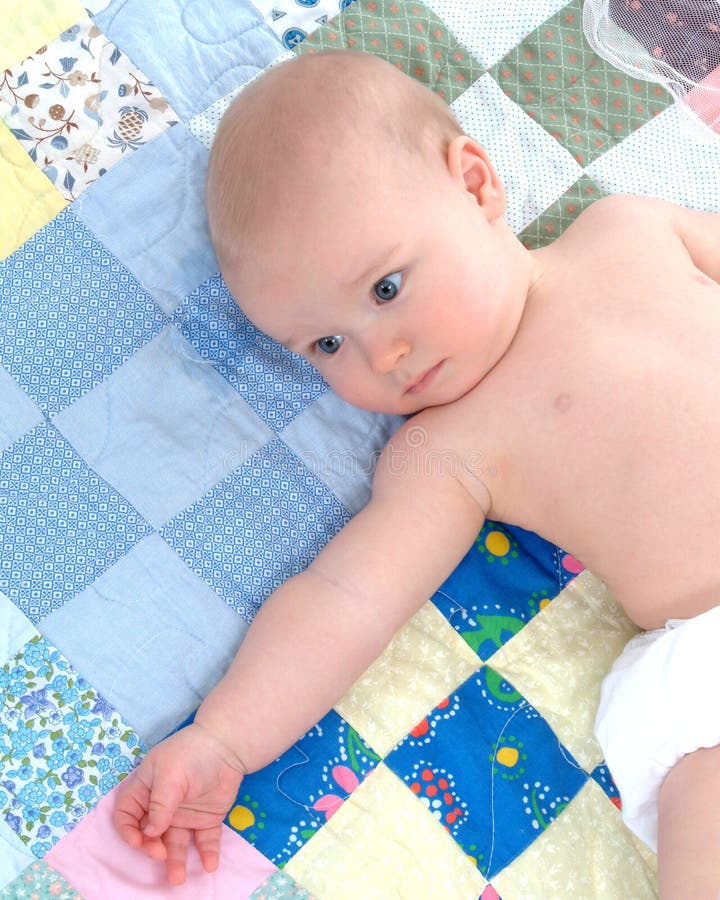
{"points": [[165, 798]]}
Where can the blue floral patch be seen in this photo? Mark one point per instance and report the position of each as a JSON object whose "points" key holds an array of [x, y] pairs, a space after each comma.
{"points": [[62, 746]]}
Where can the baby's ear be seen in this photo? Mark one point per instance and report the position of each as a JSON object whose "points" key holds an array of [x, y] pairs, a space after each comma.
{"points": [[470, 165]]}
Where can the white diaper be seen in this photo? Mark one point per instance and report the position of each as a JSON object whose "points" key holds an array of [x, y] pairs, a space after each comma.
{"points": [[659, 702]]}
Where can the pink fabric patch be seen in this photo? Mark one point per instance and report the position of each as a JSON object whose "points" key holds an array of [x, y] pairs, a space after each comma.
{"points": [[572, 565], [704, 99], [96, 862]]}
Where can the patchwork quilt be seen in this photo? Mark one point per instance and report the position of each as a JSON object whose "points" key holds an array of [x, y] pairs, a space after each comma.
{"points": [[165, 466]]}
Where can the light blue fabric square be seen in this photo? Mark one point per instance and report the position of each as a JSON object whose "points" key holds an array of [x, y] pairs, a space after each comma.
{"points": [[277, 384], [70, 314], [15, 629], [164, 428], [61, 524], [150, 635], [194, 52], [18, 413], [341, 444], [150, 212], [259, 526]]}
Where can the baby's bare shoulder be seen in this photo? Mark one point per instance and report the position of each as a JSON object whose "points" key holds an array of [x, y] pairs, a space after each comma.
{"points": [[619, 213], [650, 227]]}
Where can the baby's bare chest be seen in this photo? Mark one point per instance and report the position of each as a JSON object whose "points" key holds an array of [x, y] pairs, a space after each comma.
{"points": [[602, 432]]}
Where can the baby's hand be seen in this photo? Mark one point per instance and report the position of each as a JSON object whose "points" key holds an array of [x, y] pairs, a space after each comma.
{"points": [[180, 792]]}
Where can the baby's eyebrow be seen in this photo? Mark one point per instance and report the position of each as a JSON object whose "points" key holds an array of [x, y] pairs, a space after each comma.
{"points": [[378, 265]]}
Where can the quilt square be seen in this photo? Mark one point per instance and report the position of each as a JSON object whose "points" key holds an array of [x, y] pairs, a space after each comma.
{"points": [[257, 527], [492, 28], [78, 105], [101, 865], [29, 200], [381, 844], [150, 213], [407, 34], [293, 20], [277, 384], [195, 52], [70, 314], [18, 413], [507, 576], [605, 858], [281, 807], [164, 428], [583, 101], [149, 634], [61, 523], [684, 163], [280, 886], [34, 24], [494, 795], [15, 629], [62, 746], [39, 881]]}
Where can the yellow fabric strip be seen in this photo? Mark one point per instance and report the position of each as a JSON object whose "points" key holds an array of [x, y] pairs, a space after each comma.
{"points": [[27, 199], [28, 24]]}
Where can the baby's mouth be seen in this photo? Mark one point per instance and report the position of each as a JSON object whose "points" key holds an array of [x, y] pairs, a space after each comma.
{"points": [[424, 381]]}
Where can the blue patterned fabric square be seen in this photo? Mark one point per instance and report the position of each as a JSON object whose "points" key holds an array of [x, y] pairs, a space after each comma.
{"points": [[62, 746], [61, 524], [164, 428], [277, 384], [188, 637], [255, 529], [70, 314], [504, 579], [194, 52], [281, 807], [150, 212], [496, 793]]}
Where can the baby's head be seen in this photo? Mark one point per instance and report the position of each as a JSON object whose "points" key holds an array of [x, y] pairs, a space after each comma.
{"points": [[277, 140], [337, 184]]}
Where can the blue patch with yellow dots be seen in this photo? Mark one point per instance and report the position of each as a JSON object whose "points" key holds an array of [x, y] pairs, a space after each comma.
{"points": [[496, 793], [505, 578]]}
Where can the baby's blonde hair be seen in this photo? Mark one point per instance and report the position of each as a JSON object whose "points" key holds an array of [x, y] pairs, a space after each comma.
{"points": [[293, 117]]}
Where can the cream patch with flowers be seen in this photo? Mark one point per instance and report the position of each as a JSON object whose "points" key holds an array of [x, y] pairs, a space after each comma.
{"points": [[78, 105]]}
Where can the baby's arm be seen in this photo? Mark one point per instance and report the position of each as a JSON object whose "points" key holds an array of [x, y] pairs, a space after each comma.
{"points": [[310, 641]]}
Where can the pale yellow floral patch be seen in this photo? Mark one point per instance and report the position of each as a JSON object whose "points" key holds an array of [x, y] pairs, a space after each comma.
{"points": [[29, 200], [558, 661], [384, 843], [424, 662], [34, 24], [586, 852]]}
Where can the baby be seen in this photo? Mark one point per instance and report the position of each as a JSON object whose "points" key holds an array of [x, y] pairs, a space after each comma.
{"points": [[577, 386]]}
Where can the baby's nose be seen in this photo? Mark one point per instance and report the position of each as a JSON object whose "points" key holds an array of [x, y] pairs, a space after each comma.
{"points": [[385, 355]]}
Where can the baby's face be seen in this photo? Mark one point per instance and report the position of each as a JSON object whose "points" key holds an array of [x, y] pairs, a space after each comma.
{"points": [[393, 284]]}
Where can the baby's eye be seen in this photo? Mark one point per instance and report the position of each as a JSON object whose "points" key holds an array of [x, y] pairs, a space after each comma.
{"points": [[330, 344], [387, 287]]}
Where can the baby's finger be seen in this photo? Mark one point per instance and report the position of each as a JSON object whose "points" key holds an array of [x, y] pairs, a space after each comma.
{"points": [[165, 798], [129, 813], [176, 842], [208, 846]]}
